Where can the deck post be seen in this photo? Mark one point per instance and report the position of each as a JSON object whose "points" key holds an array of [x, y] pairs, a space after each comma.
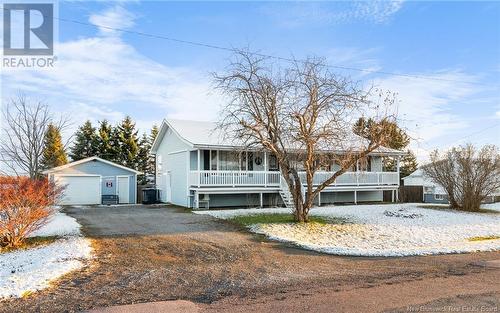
{"points": [[265, 168], [397, 166], [355, 197], [392, 195], [397, 195], [261, 200], [319, 198], [198, 165], [196, 200]]}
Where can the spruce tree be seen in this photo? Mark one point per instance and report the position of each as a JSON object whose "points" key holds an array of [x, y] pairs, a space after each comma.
{"points": [[399, 140], [105, 145], [86, 142], [143, 158], [53, 149], [152, 160], [129, 148]]}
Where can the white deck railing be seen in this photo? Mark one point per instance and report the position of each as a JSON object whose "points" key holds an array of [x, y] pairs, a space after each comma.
{"points": [[272, 179]]}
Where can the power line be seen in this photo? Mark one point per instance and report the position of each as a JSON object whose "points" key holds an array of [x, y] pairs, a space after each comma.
{"points": [[222, 48], [212, 46]]}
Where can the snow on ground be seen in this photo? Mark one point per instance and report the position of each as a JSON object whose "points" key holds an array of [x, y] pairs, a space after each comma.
{"points": [[491, 206], [33, 269], [60, 225], [382, 230]]}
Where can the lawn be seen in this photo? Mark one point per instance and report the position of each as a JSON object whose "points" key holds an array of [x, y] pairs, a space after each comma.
{"points": [[49, 253], [374, 230], [31, 242], [277, 218], [483, 209]]}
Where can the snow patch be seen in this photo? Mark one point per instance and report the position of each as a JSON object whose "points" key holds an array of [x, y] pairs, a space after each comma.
{"points": [[491, 206], [60, 225], [382, 230], [33, 269]]}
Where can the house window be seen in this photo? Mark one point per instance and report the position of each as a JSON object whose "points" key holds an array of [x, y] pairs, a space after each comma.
{"points": [[273, 163], [364, 164], [206, 160], [229, 160], [213, 160], [428, 189], [243, 161], [158, 162], [439, 197]]}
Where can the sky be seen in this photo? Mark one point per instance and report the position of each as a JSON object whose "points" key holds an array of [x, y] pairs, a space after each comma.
{"points": [[446, 56]]}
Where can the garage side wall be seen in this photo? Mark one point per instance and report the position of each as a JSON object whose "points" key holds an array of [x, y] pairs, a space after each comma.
{"points": [[107, 172]]}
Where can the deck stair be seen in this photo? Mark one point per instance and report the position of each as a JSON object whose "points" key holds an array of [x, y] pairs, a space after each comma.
{"points": [[285, 194], [287, 198]]}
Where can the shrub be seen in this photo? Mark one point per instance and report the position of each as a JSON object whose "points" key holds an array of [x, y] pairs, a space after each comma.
{"points": [[468, 175], [25, 206]]}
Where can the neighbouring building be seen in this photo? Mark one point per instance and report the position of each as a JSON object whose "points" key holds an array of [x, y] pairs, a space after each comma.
{"points": [[432, 192], [196, 167]]}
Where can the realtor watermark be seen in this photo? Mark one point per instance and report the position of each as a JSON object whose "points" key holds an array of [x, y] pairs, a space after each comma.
{"points": [[28, 35], [452, 308]]}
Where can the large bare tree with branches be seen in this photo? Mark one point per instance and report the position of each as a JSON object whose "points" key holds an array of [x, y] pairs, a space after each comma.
{"points": [[468, 175], [303, 114], [24, 124]]}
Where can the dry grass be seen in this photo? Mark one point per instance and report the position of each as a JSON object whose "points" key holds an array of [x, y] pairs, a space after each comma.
{"points": [[481, 238], [31, 242]]}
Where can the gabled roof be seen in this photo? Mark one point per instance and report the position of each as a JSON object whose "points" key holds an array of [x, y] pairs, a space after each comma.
{"points": [[94, 158], [203, 134], [417, 173]]}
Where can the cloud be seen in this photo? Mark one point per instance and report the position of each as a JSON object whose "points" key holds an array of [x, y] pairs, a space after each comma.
{"points": [[115, 17], [105, 77], [341, 12], [426, 107], [354, 57]]}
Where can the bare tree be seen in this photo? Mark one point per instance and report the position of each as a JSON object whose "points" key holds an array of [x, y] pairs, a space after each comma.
{"points": [[467, 175], [304, 116], [23, 129]]}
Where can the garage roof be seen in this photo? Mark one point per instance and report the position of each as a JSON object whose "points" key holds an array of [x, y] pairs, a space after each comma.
{"points": [[94, 158]]}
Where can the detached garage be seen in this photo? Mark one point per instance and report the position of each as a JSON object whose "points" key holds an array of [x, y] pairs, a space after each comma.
{"points": [[86, 181]]}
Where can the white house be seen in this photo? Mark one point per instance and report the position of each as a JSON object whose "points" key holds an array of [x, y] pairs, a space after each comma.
{"points": [[196, 167]]}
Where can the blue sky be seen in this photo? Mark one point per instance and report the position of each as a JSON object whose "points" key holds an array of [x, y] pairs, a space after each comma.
{"points": [[108, 74]]}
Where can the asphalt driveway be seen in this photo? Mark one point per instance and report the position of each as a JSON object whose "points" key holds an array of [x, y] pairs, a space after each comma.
{"points": [[141, 220]]}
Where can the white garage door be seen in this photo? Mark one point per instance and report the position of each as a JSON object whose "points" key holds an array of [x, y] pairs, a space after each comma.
{"points": [[80, 189]]}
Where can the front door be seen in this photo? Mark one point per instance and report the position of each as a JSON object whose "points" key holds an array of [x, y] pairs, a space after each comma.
{"points": [[123, 189]]}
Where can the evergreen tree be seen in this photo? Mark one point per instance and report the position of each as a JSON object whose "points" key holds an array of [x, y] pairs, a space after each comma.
{"points": [[115, 143], [53, 149], [129, 148], [107, 150], [399, 140], [152, 160], [143, 159], [86, 142]]}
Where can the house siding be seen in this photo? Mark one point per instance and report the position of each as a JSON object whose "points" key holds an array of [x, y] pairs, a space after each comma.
{"points": [[274, 199], [172, 156], [431, 198], [107, 172]]}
